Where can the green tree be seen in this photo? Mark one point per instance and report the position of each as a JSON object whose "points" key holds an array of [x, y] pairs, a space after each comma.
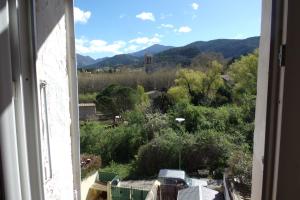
{"points": [[198, 87], [243, 72], [116, 99], [203, 61], [143, 98]]}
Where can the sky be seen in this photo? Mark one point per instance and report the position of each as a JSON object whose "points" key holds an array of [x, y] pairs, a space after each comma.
{"points": [[110, 27]]}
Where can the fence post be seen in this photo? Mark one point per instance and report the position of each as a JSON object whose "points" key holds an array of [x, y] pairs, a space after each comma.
{"points": [[109, 195]]}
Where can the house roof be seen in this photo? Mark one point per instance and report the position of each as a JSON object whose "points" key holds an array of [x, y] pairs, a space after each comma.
{"points": [[170, 173], [191, 193], [199, 193]]}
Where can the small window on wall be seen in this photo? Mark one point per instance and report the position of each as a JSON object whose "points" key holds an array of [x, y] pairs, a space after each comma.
{"points": [[45, 137]]}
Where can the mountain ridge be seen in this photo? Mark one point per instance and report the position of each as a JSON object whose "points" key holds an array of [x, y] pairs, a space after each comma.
{"points": [[167, 55]]}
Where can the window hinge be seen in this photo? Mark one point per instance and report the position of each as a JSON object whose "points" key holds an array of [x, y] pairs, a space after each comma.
{"points": [[282, 55]]}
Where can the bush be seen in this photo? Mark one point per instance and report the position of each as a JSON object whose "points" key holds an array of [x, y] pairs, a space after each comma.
{"points": [[90, 135], [206, 150], [119, 144], [163, 102], [240, 166], [89, 164], [154, 124], [229, 120], [162, 152], [123, 171]]}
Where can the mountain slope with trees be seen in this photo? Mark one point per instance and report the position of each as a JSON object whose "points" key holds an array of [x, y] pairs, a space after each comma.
{"points": [[154, 49], [229, 48]]}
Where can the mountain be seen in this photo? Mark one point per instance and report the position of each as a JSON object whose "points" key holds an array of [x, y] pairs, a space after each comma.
{"points": [[164, 56], [84, 60], [116, 61], [154, 49], [229, 48]]}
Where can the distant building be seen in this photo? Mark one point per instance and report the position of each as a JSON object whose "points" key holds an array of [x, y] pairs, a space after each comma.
{"points": [[148, 62], [87, 111]]}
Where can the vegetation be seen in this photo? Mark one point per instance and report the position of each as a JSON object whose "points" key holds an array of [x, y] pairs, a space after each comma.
{"points": [[124, 171], [217, 131], [95, 82], [89, 164]]}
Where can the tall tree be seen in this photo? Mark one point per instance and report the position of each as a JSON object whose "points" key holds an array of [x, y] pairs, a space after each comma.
{"points": [[116, 99], [197, 86], [243, 72]]}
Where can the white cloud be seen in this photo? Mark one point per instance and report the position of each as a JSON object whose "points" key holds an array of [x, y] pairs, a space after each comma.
{"points": [[81, 16], [184, 29], [146, 16], [98, 46], [145, 40], [195, 6], [158, 35], [131, 48], [167, 26]]}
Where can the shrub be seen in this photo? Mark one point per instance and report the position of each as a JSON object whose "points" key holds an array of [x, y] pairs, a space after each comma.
{"points": [[119, 144], [206, 150], [240, 166], [89, 164], [154, 124], [163, 102], [162, 152]]}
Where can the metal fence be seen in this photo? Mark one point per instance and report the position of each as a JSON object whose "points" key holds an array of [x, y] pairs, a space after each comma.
{"points": [[121, 193], [106, 177]]}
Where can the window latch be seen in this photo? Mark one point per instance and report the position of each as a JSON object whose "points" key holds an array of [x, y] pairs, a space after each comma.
{"points": [[282, 55]]}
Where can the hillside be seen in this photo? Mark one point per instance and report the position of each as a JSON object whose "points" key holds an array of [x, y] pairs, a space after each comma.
{"points": [[229, 48], [154, 49], [116, 61], [84, 60], [170, 56]]}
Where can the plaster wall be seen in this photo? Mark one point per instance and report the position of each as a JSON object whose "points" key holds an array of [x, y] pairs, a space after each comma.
{"points": [[51, 65], [261, 101]]}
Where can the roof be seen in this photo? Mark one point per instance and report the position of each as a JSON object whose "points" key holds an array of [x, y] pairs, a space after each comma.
{"points": [[199, 193], [191, 193], [86, 104], [209, 194], [170, 173]]}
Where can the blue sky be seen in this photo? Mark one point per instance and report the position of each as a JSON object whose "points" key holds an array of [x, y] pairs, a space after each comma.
{"points": [[110, 27]]}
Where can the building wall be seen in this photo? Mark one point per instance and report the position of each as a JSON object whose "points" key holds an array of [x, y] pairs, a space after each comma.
{"points": [[51, 66], [87, 112], [261, 101]]}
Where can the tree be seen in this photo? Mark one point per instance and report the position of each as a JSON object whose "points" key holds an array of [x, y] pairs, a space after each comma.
{"points": [[143, 98], [116, 99], [203, 61], [213, 80], [243, 72], [198, 87]]}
